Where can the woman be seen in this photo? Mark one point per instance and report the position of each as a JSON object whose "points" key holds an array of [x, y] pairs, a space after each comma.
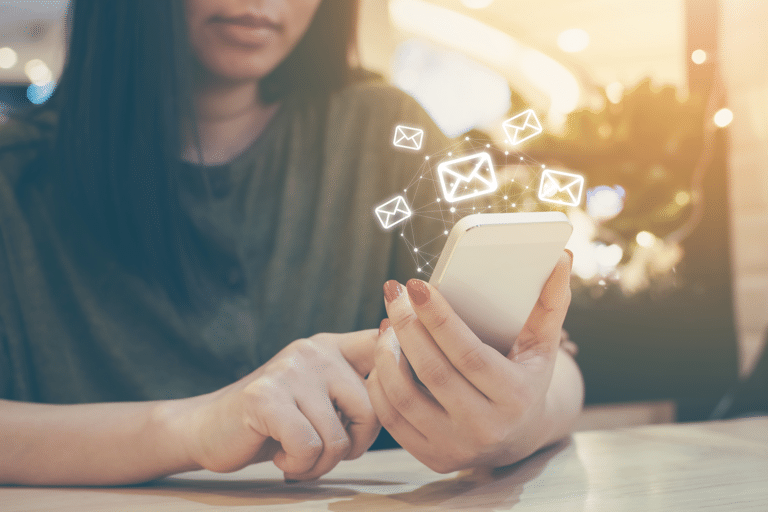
{"points": [[186, 216]]}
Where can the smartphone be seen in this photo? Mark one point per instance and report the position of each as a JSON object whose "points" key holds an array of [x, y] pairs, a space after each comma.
{"points": [[494, 266]]}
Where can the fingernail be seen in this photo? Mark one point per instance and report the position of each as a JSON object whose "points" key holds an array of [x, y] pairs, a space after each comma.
{"points": [[391, 291], [383, 326], [417, 291], [570, 253]]}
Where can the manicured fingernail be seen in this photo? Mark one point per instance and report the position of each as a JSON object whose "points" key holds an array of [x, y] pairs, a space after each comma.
{"points": [[391, 291], [418, 291], [383, 326]]}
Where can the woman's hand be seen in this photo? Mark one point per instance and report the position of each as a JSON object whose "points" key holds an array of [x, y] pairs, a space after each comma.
{"points": [[476, 407], [306, 409]]}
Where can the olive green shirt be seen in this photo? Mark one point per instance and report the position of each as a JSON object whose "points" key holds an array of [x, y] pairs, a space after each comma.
{"points": [[289, 233]]}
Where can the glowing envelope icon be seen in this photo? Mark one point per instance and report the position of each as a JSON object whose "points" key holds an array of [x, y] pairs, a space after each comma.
{"points": [[561, 187], [408, 138], [522, 127], [393, 212], [467, 177]]}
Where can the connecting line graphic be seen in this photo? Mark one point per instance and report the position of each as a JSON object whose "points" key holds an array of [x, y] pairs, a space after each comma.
{"points": [[432, 216]]}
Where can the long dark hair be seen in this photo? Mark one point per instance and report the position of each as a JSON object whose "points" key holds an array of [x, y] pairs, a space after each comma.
{"points": [[123, 101]]}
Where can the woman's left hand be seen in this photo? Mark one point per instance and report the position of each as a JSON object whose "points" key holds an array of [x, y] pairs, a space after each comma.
{"points": [[476, 406]]}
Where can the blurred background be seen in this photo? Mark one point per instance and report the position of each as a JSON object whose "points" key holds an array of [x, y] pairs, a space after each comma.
{"points": [[661, 104]]}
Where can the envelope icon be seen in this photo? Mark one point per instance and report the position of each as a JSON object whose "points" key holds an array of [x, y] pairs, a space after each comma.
{"points": [[561, 187], [522, 127], [408, 138], [466, 177], [393, 212]]}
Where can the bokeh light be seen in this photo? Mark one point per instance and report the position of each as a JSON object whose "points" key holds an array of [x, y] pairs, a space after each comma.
{"points": [[39, 94], [608, 256], [682, 198], [8, 58], [604, 202], [699, 56], [723, 117], [645, 239], [38, 72], [573, 40], [614, 91]]}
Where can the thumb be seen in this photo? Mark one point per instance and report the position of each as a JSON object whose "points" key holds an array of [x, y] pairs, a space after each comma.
{"points": [[541, 333], [358, 349]]}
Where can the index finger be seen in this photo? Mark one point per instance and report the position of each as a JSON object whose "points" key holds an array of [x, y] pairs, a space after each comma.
{"points": [[495, 375], [482, 365]]}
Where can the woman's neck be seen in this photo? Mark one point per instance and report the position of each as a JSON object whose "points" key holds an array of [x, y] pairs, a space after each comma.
{"points": [[230, 117]]}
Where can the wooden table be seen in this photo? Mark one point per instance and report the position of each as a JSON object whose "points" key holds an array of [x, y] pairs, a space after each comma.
{"points": [[704, 466]]}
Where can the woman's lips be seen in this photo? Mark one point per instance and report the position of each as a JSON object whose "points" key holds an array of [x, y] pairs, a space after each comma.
{"points": [[246, 30]]}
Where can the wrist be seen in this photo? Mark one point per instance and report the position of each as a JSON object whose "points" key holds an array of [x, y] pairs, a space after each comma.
{"points": [[171, 425]]}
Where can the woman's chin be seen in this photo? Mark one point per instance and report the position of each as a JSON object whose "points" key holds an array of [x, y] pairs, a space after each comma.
{"points": [[239, 64], [240, 69]]}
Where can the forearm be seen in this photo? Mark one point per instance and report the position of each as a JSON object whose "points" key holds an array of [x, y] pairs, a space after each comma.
{"points": [[92, 444]]}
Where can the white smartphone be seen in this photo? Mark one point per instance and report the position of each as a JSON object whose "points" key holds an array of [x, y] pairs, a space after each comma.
{"points": [[494, 266]]}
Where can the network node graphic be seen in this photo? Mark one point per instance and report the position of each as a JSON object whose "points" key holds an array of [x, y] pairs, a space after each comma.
{"points": [[470, 175]]}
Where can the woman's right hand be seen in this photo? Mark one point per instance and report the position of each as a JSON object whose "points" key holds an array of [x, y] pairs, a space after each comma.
{"points": [[306, 409]]}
